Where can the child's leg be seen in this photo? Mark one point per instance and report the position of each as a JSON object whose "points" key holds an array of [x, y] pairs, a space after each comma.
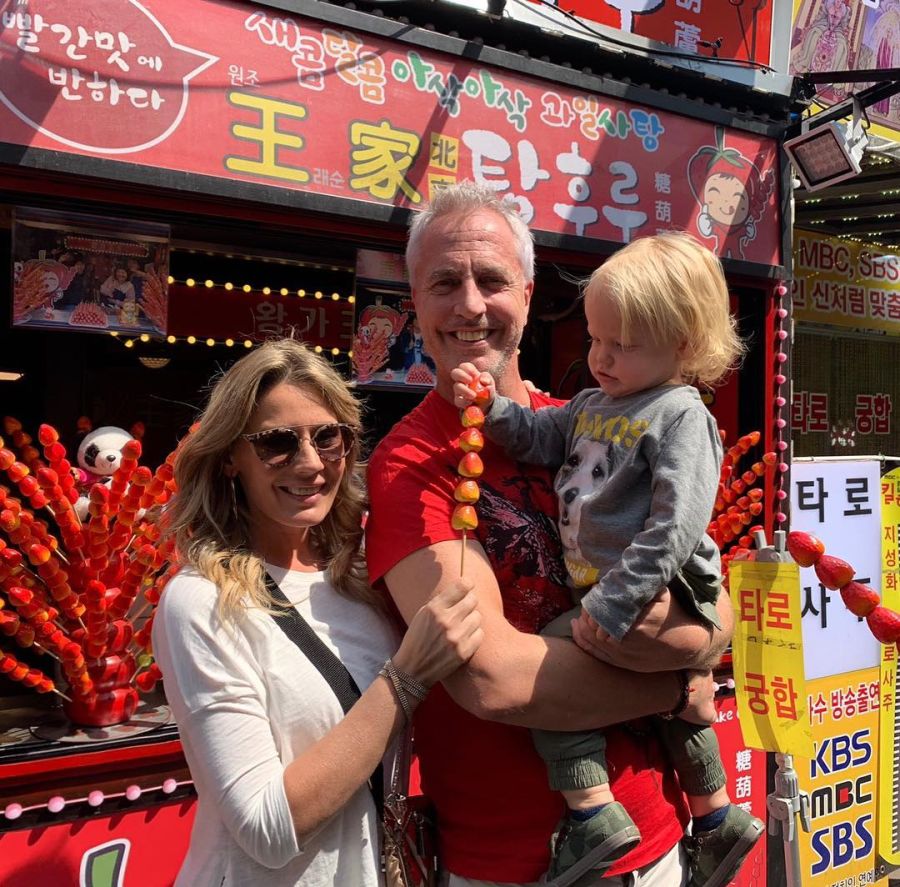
{"points": [[694, 752], [576, 762], [597, 830], [576, 766], [722, 834]]}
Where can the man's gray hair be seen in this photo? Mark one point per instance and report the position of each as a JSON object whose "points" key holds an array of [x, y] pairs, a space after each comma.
{"points": [[466, 198]]}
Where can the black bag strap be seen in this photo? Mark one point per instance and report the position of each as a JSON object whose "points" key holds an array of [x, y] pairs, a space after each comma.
{"points": [[329, 666]]}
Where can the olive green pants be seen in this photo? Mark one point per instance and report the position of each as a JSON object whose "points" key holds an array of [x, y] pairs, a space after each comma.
{"points": [[578, 759]]}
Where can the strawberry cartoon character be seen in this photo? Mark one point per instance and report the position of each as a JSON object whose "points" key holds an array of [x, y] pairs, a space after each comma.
{"points": [[732, 194]]}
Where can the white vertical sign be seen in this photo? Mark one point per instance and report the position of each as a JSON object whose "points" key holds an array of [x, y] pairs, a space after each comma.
{"points": [[840, 502]]}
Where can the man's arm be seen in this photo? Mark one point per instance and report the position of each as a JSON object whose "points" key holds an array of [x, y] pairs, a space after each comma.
{"points": [[665, 638], [529, 680]]}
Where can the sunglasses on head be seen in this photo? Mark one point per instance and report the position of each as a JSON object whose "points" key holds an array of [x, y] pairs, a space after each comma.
{"points": [[278, 447]]}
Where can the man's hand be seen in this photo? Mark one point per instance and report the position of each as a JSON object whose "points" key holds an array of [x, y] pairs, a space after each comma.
{"points": [[701, 707], [664, 638]]}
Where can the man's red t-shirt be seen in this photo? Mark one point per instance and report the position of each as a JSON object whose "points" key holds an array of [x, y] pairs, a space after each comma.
{"points": [[489, 786]]}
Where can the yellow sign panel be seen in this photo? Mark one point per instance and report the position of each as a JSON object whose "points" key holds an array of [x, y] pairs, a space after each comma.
{"points": [[889, 724], [768, 657], [840, 778], [845, 284]]}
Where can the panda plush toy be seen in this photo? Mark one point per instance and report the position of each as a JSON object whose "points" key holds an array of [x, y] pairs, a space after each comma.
{"points": [[99, 455]]}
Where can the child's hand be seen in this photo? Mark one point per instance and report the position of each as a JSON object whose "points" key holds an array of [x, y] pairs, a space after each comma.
{"points": [[472, 387], [589, 636]]}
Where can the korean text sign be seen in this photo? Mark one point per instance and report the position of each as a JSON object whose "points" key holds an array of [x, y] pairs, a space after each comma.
{"points": [[222, 314], [839, 502], [845, 284], [225, 90], [889, 727], [768, 656], [840, 778], [689, 25], [745, 769]]}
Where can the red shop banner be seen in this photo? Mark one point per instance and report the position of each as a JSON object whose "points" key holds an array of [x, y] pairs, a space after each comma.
{"points": [[736, 29], [225, 90], [144, 848], [746, 774], [218, 313]]}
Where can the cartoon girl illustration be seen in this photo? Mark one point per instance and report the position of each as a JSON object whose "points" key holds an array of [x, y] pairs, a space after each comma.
{"points": [[40, 284], [732, 193]]}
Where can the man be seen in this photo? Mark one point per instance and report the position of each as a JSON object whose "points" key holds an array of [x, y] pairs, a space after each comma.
{"points": [[470, 259]]}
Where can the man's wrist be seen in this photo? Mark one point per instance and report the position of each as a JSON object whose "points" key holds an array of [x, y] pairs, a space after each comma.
{"points": [[684, 695]]}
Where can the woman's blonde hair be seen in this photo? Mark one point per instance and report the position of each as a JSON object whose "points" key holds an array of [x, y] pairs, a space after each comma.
{"points": [[208, 517], [673, 289]]}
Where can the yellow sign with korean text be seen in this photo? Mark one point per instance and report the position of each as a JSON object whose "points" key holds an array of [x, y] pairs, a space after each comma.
{"points": [[768, 657], [845, 284], [841, 781], [889, 723]]}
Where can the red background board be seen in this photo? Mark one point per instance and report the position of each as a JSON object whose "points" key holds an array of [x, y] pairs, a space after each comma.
{"points": [[746, 772], [157, 842], [224, 90], [158, 837], [218, 313], [743, 26]]}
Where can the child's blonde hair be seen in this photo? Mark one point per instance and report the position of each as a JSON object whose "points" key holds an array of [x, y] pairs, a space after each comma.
{"points": [[673, 289]]}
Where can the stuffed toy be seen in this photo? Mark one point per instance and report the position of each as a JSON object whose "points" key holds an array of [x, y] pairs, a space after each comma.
{"points": [[99, 455]]}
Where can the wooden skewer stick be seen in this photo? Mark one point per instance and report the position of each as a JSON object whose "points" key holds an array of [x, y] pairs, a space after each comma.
{"points": [[462, 554], [45, 650], [60, 693]]}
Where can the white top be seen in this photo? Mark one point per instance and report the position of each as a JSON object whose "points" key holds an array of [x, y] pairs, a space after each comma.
{"points": [[247, 703]]}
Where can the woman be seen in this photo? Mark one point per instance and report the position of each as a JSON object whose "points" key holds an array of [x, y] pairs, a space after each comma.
{"points": [[117, 287], [269, 482]]}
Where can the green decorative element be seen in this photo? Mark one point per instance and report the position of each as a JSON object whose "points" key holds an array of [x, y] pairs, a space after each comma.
{"points": [[104, 866], [729, 155]]}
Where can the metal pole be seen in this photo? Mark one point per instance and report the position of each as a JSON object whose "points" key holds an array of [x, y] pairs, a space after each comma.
{"points": [[786, 802]]}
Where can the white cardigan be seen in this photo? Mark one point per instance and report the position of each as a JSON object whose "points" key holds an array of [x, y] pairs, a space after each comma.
{"points": [[247, 703]]}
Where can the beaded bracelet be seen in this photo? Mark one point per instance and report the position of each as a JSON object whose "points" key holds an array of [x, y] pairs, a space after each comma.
{"points": [[403, 684], [685, 698]]}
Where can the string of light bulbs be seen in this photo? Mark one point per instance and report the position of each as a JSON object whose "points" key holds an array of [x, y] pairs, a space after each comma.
{"points": [[265, 290], [145, 338]]}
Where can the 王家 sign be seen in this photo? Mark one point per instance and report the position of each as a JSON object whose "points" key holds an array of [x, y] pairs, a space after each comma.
{"points": [[230, 91]]}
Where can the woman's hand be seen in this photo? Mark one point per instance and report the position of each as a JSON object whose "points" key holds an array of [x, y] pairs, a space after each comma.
{"points": [[443, 634], [701, 707]]}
